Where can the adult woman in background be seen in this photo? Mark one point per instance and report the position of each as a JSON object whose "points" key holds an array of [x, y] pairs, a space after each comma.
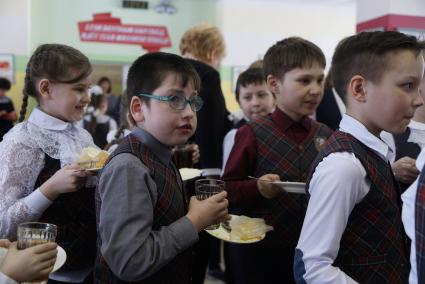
{"points": [[203, 46]]}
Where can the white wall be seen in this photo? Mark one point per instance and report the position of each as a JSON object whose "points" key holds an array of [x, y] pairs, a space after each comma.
{"points": [[251, 27], [14, 26]]}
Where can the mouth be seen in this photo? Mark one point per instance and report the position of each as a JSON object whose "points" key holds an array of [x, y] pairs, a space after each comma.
{"points": [[187, 127], [80, 107]]}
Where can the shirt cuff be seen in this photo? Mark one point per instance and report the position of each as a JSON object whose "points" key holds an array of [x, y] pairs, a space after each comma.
{"points": [[186, 234], [211, 172], [37, 202], [4, 279]]}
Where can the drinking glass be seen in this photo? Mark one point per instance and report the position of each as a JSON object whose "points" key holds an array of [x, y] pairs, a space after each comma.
{"points": [[182, 156], [205, 188], [35, 233]]}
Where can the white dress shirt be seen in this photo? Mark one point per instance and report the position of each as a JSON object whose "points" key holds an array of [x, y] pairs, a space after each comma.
{"points": [[339, 183], [417, 136], [408, 217]]}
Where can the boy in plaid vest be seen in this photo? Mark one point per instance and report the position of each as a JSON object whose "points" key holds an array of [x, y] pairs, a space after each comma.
{"points": [[280, 146], [352, 232], [145, 224], [413, 214]]}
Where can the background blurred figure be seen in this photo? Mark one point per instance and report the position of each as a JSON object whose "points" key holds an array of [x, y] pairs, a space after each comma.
{"points": [[254, 99], [113, 100], [96, 121], [332, 107], [203, 46], [7, 110]]}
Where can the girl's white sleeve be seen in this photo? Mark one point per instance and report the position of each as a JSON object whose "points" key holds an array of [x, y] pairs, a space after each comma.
{"points": [[4, 279], [19, 169]]}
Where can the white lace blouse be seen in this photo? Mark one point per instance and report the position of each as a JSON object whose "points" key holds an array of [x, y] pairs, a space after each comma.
{"points": [[22, 154]]}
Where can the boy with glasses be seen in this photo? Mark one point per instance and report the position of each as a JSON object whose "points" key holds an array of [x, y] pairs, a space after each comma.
{"points": [[146, 225]]}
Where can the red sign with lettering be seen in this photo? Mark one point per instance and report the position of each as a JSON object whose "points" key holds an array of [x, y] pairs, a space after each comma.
{"points": [[105, 28]]}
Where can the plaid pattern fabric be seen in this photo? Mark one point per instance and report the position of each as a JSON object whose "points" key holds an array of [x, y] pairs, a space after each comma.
{"points": [[372, 247], [420, 228], [170, 206], [74, 214], [280, 155]]}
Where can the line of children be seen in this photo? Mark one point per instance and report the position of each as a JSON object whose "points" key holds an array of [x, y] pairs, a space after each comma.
{"points": [[38, 178], [281, 146], [352, 232], [148, 240]]}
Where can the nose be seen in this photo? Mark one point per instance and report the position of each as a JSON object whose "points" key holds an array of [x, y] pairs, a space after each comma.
{"points": [[255, 100], [418, 100], [86, 97], [188, 112], [316, 88]]}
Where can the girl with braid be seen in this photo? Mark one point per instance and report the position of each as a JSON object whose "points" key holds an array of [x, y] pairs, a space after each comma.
{"points": [[39, 180]]}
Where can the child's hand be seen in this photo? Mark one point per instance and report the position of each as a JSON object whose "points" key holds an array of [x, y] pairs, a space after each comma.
{"points": [[4, 243], [31, 264], [68, 179], [203, 213], [266, 188], [405, 170], [194, 148]]}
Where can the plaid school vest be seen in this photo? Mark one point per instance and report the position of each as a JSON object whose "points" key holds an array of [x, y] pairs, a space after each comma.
{"points": [[372, 247], [420, 228], [170, 206], [278, 154], [74, 214]]}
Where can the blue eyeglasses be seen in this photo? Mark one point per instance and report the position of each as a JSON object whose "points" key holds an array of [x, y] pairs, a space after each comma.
{"points": [[178, 101]]}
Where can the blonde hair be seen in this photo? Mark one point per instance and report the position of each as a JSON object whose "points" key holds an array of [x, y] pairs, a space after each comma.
{"points": [[203, 41]]}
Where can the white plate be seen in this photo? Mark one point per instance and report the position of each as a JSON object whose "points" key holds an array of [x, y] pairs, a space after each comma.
{"points": [[224, 235], [188, 173], [60, 259], [291, 187]]}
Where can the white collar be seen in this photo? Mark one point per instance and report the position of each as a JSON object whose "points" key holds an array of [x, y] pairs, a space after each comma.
{"points": [[43, 120], [354, 127], [417, 125]]}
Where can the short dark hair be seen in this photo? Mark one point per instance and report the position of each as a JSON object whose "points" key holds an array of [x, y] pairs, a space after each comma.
{"points": [[291, 53], [366, 54], [149, 71], [249, 76], [5, 84]]}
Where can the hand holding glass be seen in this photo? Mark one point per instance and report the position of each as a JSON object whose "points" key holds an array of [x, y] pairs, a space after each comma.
{"points": [[205, 188]]}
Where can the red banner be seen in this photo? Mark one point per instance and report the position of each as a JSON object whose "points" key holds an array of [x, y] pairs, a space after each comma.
{"points": [[105, 28]]}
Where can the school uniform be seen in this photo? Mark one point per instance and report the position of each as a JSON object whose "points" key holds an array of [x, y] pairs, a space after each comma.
{"points": [[33, 151], [272, 144], [143, 233], [412, 216], [352, 232], [104, 124], [407, 144]]}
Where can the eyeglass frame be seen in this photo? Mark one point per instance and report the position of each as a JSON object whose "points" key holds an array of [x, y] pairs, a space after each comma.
{"points": [[168, 99]]}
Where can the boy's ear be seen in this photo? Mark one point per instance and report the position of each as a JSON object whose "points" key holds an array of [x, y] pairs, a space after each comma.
{"points": [[272, 83], [357, 88], [44, 88], [136, 109]]}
